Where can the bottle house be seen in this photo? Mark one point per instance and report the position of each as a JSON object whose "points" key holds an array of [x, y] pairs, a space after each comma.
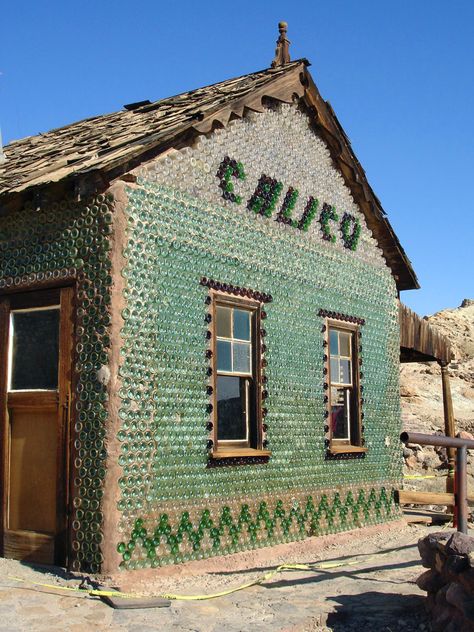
{"points": [[199, 330]]}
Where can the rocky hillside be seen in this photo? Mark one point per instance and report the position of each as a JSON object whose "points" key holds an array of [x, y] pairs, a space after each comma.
{"points": [[422, 397]]}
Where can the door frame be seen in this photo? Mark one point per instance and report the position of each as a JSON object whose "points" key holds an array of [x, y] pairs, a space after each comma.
{"points": [[66, 379]]}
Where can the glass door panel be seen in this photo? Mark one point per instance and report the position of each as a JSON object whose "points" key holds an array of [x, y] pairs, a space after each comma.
{"points": [[34, 352]]}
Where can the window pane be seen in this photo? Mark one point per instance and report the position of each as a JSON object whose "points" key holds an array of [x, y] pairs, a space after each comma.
{"points": [[231, 408], [241, 324], [224, 355], [35, 350], [223, 321], [344, 344], [345, 374], [333, 343], [340, 414], [334, 370], [241, 357]]}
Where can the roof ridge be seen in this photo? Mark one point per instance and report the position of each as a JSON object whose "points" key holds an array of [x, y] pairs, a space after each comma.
{"points": [[154, 105]]}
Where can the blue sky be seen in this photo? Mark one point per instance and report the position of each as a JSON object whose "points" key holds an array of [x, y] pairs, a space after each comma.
{"points": [[399, 75]]}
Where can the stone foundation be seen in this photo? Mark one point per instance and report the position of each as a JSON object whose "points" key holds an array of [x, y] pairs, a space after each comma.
{"points": [[449, 581]]}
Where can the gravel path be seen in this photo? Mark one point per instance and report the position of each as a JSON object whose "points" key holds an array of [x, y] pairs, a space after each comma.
{"points": [[376, 595]]}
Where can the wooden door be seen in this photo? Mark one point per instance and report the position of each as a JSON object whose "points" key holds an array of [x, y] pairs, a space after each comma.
{"points": [[35, 355]]}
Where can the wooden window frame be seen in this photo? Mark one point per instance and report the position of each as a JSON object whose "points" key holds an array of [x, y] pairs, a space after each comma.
{"points": [[355, 444], [225, 450]]}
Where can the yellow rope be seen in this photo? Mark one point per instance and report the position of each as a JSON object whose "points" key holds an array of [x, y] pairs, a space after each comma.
{"points": [[411, 476], [265, 577]]}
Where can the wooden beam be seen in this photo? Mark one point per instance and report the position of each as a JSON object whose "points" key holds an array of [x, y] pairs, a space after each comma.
{"points": [[414, 497], [426, 516], [408, 497], [449, 427]]}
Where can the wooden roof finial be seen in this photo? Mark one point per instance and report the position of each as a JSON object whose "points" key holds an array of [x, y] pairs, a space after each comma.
{"points": [[282, 51]]}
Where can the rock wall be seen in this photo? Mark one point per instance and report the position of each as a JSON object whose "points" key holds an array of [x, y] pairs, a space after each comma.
{"points": [[449, 581]]}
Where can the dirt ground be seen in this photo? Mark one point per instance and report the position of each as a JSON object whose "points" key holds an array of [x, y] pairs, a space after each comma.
{"points": [[377, 593]]}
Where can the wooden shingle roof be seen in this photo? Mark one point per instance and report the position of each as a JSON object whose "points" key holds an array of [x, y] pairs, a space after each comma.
{"points": [[103, 141], [102, 148]]}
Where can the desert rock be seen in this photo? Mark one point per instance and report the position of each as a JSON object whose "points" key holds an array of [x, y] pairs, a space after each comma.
{"points": [[422, 397]]}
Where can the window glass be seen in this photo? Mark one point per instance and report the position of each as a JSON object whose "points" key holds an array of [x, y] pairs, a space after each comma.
{"points": [[224, 321], [344, 344], [241, 357], [340, 413], [241, 324], [224, 355], [231, 408], [333, 342], [35, 349], [345, 371]]}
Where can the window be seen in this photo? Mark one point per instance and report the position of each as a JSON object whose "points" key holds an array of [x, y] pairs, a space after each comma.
{"points": [[344, 389], [237, 377], [34, 349]]}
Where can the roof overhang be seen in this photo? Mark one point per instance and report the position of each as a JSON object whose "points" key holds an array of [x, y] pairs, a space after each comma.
{"points": [[420, 341]]}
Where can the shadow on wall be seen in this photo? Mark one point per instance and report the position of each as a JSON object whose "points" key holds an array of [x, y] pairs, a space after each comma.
{"points": [[377, 612]]}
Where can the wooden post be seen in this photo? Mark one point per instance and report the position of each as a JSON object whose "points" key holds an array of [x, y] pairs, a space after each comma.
{"points": [[461, 490], [449, 429]]}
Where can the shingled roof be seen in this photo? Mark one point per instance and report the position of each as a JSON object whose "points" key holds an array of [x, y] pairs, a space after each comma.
{"points": [[102, 141], [108, 146]]}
